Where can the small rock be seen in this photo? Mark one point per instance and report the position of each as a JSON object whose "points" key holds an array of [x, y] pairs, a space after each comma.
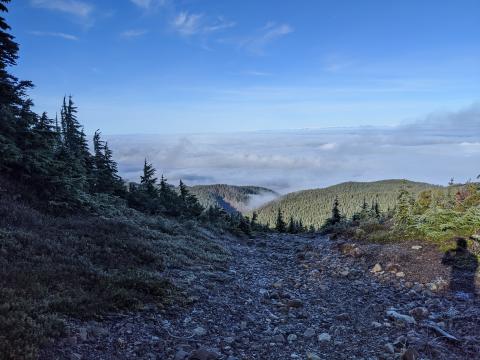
{"points": [[343, 316], [83, 334], [377, 268], [279, 338], [292, 337], [324, 337], [400, 274], [392, 267], [229, 340], [432, 286], [416, 247], [309, 333], [376, 324], [410, 354], [345, 273], [389, 348], [419, 312], [295, 303], [313, 356], [400, 317], [181, 355], [203, 354], [199, 331], [461, 295], [400, 341], [277, 285]]}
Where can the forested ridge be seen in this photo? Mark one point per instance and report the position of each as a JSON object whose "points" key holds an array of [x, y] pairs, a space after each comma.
{"points": [[313, 207], [229, 197]]}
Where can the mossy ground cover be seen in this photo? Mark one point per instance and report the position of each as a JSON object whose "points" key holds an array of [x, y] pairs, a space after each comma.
{"points": [[84, 266]]}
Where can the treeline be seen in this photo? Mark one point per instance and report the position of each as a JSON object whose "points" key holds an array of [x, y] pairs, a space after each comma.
{"points": [[436, 214], [313, 207], [51, 158], [293, 226]]}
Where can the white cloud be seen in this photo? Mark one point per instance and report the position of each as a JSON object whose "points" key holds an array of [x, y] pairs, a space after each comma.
{"points": [[55, 34], [133, 33], [73, 7], [220, 23], [300, 159], [188, 24], [270, 32]]}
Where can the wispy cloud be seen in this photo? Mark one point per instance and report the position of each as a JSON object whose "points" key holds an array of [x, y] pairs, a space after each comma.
{"points": [[133, 33], [148, 4], [335, 63], [256, 73], [257, 43], [189, 24], [54, 34], [73, 7]]}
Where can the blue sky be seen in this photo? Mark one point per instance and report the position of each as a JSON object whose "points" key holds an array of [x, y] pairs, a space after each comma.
{"points": [[183, 66]]}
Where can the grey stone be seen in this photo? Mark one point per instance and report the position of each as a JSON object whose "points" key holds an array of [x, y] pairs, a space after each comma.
{"points": [[324, 337], [199, 331], [181, 355], [292, 337]]}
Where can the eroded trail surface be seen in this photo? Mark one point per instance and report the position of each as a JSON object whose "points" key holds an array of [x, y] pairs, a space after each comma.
{"points": [[287, 297]]}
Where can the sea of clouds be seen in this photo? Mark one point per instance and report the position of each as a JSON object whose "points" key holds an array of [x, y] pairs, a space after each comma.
{"points": [[434, 149]]}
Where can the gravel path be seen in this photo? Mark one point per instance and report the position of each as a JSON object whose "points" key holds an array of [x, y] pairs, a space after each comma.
{"points": [[286, 297]]}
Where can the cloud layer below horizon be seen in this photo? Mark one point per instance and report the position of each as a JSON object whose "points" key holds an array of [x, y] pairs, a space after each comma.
{"points": [[433, 149]]}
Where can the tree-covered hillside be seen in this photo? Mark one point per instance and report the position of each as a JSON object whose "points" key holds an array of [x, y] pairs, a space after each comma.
{"points": [[313, 207], [231, 198]]}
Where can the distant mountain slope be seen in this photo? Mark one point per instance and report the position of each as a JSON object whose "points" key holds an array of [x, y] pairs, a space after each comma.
{"points": [[314, 206], [233, 198]]}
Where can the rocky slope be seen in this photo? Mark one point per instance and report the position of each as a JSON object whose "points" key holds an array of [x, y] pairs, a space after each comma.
{"points": [[286, 297]]}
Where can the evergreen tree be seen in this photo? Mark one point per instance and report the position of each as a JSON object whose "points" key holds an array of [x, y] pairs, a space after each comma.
{"points": [[300, 227], [105, 173], [377, 209], [244, 225], [169, 199], [364, 205], [254, 220], [403, 210], [77, 163], [280, 224], [183, 191], [12, 91], [291, 226], [190, 203], [148, 180], [336, 215]]}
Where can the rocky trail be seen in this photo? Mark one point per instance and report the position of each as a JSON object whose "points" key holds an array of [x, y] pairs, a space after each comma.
{"points": [[287, 297]]}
